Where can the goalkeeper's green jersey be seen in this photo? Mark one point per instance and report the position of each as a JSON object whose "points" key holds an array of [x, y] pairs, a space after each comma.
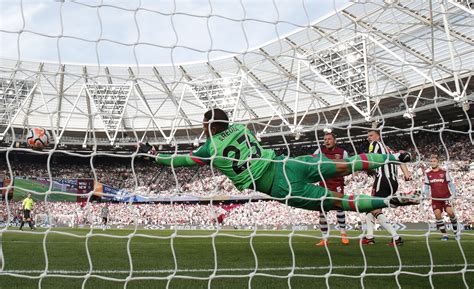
{"points": [[235, 152]]}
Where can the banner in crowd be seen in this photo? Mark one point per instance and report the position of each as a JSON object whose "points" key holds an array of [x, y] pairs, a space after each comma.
{"points": [[117, 195]]}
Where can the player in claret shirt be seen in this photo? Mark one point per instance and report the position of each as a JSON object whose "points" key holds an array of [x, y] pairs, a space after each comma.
{"points": [[439, 181], [332, 151], [235, 151]]}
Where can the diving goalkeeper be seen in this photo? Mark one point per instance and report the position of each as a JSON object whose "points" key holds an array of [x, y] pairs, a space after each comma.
{"points": [[234, 150]]}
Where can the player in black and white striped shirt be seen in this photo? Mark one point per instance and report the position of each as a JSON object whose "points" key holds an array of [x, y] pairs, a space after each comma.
{"points": [[385, 185]]}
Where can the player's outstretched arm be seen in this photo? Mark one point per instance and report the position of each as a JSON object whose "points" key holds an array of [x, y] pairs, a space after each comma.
{"points": [[174, 160]]}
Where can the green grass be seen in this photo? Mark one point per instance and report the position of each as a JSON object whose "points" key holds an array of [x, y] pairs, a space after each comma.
{"points": [[233, 257]]}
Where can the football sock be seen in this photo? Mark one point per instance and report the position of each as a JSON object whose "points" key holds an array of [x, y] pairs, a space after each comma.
{"points": [[440, 226], [323, 224], [341, 220], [384, 223], [454, 223], [370, 225]]}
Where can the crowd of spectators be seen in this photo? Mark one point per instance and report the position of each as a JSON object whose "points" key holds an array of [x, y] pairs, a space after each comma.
{"points": [[156, 180], [261, 213]]}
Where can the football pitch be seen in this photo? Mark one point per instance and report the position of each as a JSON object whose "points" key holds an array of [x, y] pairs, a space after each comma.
{"points": [[229, 259]]}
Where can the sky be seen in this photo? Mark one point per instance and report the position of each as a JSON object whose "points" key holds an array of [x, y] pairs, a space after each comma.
{"points": [[148, 32]]}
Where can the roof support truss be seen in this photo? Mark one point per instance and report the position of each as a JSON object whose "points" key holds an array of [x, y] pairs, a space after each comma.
{"points": [[393, 40], [110, 101], [413, 67], [90, 120], [30, 101], [60, 95], [148, 110], [258, 82], [19, 110], [377, 66], [429, 22], [170, 95], [365, 114], [303, 60], [249, 110], [255, 88], [292, 77], [451, 49]]}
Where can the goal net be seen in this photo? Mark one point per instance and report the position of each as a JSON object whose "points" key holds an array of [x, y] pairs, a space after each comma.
{"points": [[101, 77]]}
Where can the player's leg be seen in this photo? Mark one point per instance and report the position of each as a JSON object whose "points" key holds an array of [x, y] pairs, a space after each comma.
{"points": [[22, 223], [452, 218], [370, 224], [308, 196], [439, 222], [341, 220], [28, 219], [303, 194], [357, 203], [339, 201], [323, 225], [30, 224], [370, 220], [322, 167], [382, 220], [387, 188]]}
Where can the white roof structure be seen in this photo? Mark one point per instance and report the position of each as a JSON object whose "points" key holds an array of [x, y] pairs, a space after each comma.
{"points": [[355, 56]]}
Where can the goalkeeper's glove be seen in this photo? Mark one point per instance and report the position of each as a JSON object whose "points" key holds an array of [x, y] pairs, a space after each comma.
{"points": [[146, 148]]}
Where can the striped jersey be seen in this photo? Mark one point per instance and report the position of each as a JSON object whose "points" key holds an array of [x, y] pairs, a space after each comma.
{"points": [[389, 171]]}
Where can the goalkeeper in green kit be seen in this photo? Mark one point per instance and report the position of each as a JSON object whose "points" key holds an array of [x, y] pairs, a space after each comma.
{"points": [[234, 151]]}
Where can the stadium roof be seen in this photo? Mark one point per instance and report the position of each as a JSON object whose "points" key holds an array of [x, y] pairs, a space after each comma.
{"points": [[355, 57]]}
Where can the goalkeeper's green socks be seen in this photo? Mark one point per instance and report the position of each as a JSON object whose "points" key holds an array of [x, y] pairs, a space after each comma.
{"points": [[363, 203], [365, 162]]}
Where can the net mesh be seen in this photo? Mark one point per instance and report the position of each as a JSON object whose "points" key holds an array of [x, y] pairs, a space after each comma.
{"points": [[102, 76]]}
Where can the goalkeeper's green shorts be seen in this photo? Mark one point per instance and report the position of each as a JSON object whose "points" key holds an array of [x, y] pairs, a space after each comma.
{"points": [[301, 174]]}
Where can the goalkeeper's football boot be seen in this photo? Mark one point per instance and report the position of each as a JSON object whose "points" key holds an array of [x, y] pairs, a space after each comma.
{"points": [[444, 238]]}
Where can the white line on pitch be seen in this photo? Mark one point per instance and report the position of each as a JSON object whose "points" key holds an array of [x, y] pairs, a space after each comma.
{"points": [[226, 242], [230, 269]]}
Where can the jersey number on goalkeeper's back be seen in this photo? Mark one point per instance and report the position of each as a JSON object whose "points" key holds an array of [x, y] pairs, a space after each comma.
{"points": [[237, 154]]}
